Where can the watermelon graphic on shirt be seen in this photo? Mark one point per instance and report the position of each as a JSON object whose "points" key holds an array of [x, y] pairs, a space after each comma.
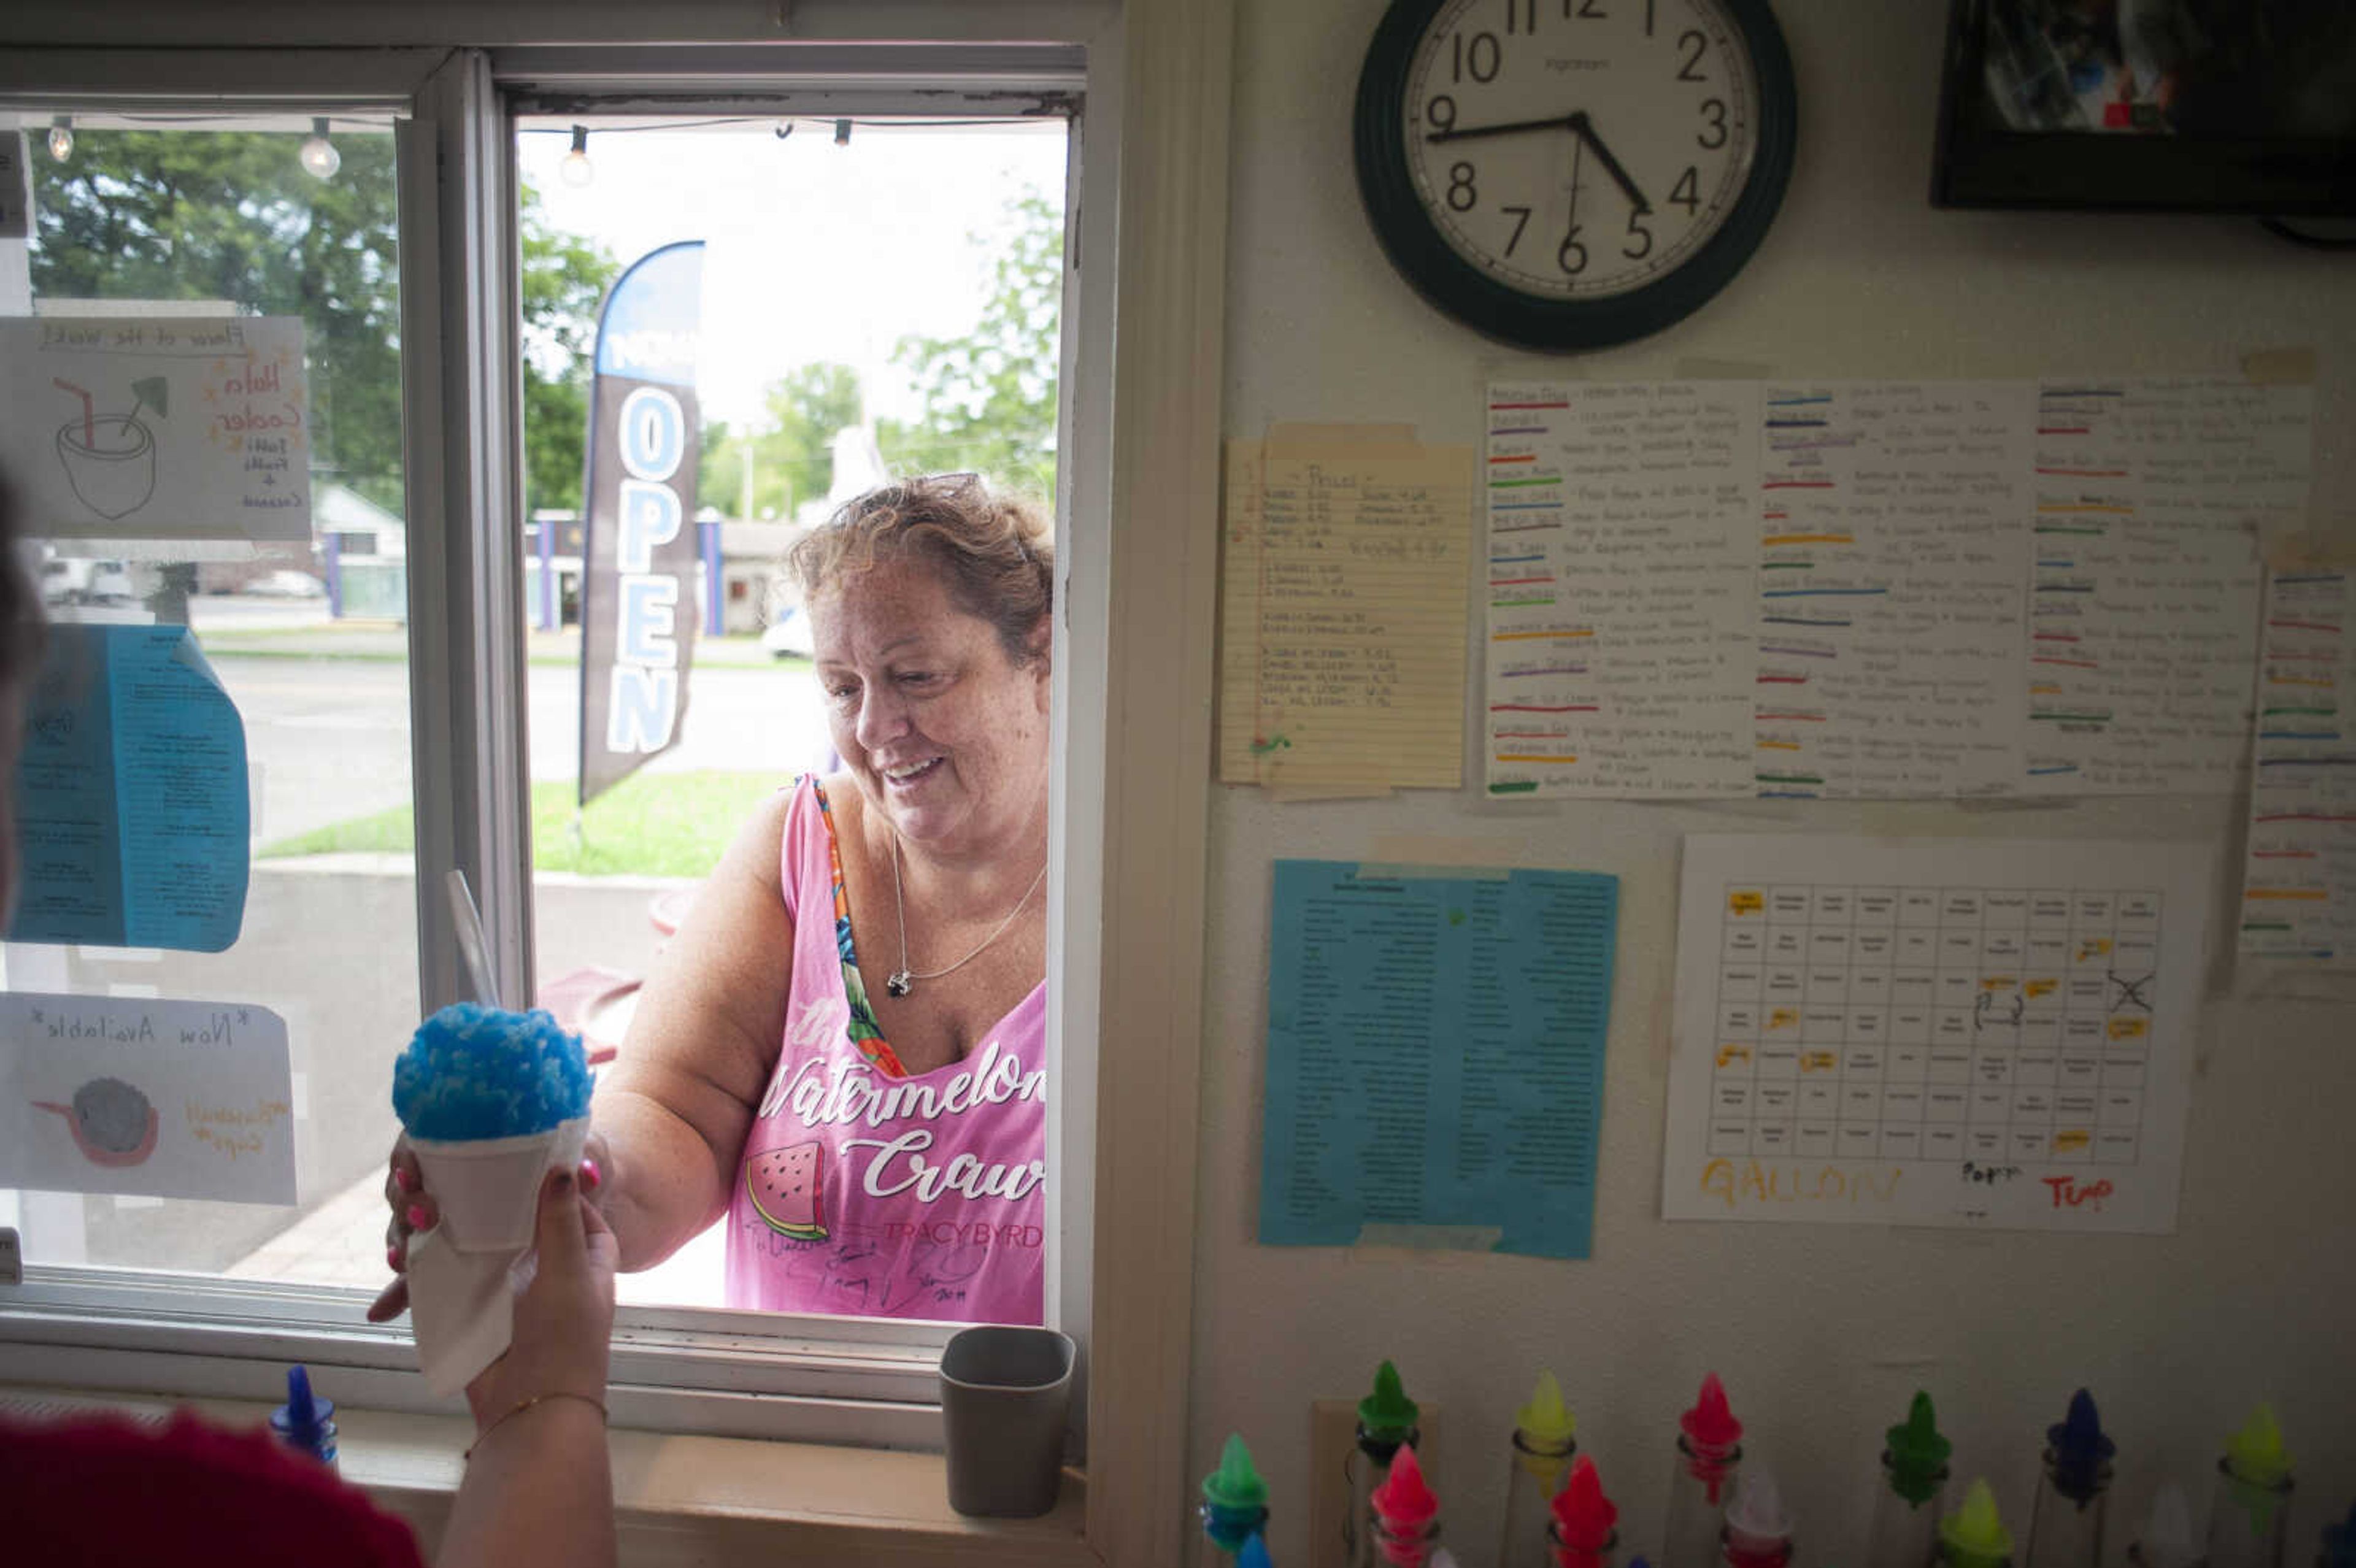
{"points": [[786, 1185]]}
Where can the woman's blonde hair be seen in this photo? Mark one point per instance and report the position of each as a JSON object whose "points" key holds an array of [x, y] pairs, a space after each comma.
{"points": [[993, 551]]}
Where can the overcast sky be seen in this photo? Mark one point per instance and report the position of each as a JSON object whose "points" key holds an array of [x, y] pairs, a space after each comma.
{"points": [[814, 251]]}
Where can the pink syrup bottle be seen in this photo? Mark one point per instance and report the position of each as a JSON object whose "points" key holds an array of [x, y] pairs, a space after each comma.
{"points": [[1403, 1519], [1709, 1455], [1583, 1533]]}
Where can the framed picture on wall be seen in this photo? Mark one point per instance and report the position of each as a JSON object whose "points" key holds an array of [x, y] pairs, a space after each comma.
{"points": [[2156, 105]]}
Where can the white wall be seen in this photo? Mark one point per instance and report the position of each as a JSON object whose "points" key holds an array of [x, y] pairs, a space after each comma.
{"points": [[1821, 1333]]}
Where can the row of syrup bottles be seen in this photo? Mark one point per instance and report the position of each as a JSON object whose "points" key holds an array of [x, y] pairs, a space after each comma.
{"points": [[1557, 1516], [2248, 1525]]}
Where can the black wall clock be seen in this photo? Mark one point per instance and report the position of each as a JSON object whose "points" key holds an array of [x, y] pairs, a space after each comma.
{"points": [[1572, 173]]}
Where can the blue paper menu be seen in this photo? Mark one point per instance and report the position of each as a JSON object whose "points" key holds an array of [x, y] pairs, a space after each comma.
{"points": [[133, 804], [1435, 1056]]}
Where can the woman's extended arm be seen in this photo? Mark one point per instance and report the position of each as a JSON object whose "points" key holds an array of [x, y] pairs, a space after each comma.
{"points": [[674, 1110], [670, 1116]]}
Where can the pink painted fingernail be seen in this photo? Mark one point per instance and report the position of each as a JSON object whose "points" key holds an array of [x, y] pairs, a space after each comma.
{"points": [[404, 1178], [590, 1175], [416, 1216], [392, 1259]]}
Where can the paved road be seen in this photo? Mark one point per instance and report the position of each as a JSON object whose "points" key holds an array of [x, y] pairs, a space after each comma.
{"points": [[331, 736]]}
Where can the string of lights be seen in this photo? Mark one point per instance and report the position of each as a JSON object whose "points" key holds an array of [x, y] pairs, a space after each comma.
{"points": [[320, 159], [318, 154], [577, 171]]}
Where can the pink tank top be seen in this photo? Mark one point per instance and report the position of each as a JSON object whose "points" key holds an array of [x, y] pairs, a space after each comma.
{"points": [[867, 1191]]}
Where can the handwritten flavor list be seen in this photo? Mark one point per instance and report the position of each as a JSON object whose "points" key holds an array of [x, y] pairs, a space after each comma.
{"points": [[2299, 874], [1933, 1032], [1342, 663], [1938, 589], [2151, 496], [1620, 565], [1890, 563]]}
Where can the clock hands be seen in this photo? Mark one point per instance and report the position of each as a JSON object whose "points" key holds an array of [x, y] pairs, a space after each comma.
{"points": [[1571, 241], [1577, 123], [1586, 129], [1510, 128]]}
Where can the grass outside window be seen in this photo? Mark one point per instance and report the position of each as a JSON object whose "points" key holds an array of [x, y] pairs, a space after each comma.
{"points": [[650, 824]]}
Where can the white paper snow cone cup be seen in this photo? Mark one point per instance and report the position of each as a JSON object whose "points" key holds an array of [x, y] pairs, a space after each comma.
{"points": [[487, 1189]]}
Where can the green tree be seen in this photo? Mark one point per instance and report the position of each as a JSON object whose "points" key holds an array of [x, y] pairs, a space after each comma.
{"points": [[231, 216], [711, 439], [792, 449], [564, 278], [988, 398]]}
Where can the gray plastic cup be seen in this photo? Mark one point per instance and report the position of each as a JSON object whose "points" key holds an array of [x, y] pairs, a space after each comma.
{"points": [[1006, 1397]]}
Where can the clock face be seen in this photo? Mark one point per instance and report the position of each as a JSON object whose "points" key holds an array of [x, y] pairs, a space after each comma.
{"points": [[1579, 148], [1569, 173]]}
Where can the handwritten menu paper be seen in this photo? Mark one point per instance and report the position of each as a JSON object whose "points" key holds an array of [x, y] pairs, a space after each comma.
{"points": [[1952, 588], [1956, 1032], [172, 1099], [2299, 874], [1889, 567], [2151, 499], [1343, 609], [157, 427], [132, 794], [1435, 1056], [1620, 563]]}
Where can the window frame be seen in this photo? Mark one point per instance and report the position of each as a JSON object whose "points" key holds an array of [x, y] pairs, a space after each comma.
{"points": [[458, 236], [1151, 221], [1009, 81]]}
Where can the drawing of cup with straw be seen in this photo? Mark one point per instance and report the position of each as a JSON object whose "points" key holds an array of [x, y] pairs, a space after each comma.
{"points": [[110, 459]]}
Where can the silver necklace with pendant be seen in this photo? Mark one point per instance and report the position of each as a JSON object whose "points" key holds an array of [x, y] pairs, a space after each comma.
{"points": [[902, 981]]}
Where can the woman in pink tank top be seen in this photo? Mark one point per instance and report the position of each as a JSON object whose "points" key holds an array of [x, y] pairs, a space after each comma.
{"points": [[840, 1056], [868, 1189]]}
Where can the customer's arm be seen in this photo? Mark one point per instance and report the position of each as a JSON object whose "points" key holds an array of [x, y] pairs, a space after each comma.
{"points": [[669, 1119], [676, 1108], [538, 1487]]}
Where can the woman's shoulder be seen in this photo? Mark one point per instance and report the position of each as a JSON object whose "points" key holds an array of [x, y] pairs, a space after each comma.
{"points": [[802, 829], [805, 804], [838, 800], [755, 857]]}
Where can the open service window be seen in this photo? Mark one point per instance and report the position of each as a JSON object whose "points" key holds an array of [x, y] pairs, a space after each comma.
{"points": [[800, 309], [327, 461]]}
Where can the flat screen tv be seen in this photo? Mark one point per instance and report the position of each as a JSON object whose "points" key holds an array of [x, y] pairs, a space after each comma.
{"points": [[2158, 105]]}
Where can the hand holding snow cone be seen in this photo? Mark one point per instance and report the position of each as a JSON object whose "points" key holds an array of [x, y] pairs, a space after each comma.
{"points": [[563, 1315], [492, 1100]]}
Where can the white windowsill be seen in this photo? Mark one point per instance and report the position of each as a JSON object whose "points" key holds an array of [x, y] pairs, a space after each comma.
{"points": [[691, 1499]]}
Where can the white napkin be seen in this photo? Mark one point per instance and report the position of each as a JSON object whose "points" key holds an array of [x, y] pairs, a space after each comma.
{"points": [[461, 1295]]}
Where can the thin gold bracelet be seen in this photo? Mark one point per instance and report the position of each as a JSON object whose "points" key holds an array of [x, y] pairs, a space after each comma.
{"points": [[523, 1404]]}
